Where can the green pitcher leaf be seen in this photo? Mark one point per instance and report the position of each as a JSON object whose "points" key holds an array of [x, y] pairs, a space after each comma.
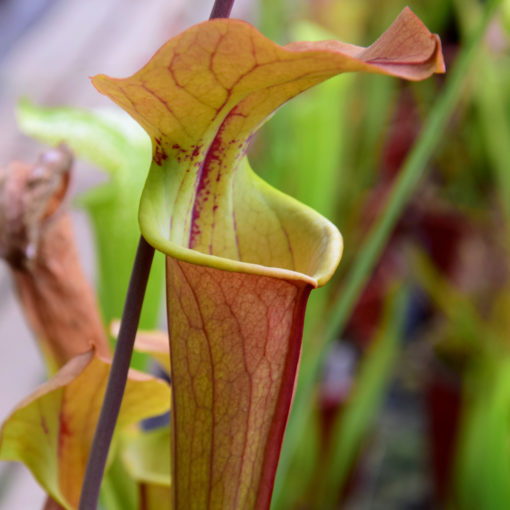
{"points": [[242, 257], [51, 431], [143, 458]]}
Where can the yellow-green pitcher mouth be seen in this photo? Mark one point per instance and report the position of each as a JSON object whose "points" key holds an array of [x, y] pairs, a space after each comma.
{"points": [[275, 235]]}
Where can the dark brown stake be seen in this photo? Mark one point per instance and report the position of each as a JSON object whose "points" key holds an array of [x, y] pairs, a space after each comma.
{"points": [[123, 352]]}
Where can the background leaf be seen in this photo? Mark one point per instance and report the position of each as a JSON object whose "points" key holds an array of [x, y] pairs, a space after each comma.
{"points": [[114, 143]]}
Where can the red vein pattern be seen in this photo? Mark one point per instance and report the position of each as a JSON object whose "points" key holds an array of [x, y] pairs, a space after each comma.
{"points": [[235, 347]]}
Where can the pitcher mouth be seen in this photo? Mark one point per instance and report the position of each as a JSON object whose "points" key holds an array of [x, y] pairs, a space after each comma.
{"points": [[329, 259]]}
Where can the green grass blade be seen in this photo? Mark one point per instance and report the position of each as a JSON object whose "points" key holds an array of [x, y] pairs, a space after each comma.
{"points": [[482, 470], [406, 184], [370, 387], [408, 179], [492, 102]]}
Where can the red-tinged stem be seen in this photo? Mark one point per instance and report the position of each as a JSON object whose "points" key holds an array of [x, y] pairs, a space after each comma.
{"points": [[118, 377], [221, 9]]}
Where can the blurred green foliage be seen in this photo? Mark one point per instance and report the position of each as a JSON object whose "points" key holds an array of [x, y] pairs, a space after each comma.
{"points": [[115, 144], [399, 166]]}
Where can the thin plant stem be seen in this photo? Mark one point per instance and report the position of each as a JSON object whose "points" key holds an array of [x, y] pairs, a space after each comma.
{"points": [[123, 352], [118, 377], [221, 9], [413, 169]]}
